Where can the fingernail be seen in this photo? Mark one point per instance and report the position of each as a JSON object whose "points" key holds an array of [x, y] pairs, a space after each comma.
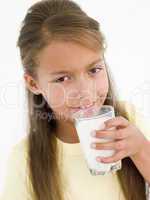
{"points": [[98, 159], [93, 145], [93, 133]]}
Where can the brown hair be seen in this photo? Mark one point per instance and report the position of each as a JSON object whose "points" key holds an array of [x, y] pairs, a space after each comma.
{"points": [[45, 21]]}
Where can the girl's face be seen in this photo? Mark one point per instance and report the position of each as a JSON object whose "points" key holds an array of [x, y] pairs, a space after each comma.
{"points": [[70, 76]]}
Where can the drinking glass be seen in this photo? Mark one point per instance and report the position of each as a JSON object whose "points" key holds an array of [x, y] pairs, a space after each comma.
{"points": [[84, 126]]}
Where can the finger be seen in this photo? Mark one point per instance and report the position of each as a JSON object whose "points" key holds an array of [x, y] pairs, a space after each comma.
{"points": [[118, 156], [119, 122], [119, 145], [114, 134]]}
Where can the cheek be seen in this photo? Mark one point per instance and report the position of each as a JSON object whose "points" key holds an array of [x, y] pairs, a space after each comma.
{"points": [[102, 85], [55, 96]]}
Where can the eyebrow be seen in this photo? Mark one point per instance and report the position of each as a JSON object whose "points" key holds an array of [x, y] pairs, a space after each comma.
{"points": [[65, 71]]}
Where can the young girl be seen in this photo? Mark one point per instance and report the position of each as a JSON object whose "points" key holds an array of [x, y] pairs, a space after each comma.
{"points": [[62, 52]]}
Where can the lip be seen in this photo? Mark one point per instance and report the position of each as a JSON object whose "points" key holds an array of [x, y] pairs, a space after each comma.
{"points": [[83, 109]]}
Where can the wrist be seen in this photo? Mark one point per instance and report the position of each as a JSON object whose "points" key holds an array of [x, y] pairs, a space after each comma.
{"points": [[143, 151]]}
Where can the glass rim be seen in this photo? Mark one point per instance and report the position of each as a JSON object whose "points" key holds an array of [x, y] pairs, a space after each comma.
{"points": [[78, 119]]}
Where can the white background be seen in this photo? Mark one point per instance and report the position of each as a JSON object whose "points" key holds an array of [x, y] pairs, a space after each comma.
{"points": [[125, 25]]}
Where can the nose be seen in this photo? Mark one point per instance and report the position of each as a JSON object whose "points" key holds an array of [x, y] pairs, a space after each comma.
{"points": [[84, 92]]}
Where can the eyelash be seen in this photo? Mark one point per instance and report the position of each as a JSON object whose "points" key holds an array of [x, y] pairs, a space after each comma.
{"points": [[59, 80]]}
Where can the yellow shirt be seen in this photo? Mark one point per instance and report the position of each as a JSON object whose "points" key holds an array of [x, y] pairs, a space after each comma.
{"points": [[78, 182]]}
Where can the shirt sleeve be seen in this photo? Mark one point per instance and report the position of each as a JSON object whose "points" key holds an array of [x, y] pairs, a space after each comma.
{"points": [[143, 123], [139, 118], [16, 179]]}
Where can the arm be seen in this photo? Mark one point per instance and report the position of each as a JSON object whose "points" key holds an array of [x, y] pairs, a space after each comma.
{"points": [[142, 161], [132, 140]]}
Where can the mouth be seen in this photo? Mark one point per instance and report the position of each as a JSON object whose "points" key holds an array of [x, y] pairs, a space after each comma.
{"points": [[83, 108], [87, 111]]}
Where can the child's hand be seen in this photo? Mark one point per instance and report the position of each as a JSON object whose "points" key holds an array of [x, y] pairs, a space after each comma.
{"points": [[129, 140]]}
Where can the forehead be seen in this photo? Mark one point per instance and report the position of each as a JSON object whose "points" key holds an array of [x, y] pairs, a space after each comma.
{"points": [[60, 54]]}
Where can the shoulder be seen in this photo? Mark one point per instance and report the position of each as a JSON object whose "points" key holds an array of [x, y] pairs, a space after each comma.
{"points": [[128, 109], [17, 158], [21, 146], [19, 152], [16, 173], [17, 162], [137, 117]]}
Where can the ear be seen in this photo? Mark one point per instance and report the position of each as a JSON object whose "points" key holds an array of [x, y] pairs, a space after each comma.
{"points": [[32, 84]]}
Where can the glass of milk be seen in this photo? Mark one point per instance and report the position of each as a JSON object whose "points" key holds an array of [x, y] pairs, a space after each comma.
{"points": [[84, 126]]}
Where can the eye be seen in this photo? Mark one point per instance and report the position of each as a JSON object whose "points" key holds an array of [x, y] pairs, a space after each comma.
{"points": [[61, 79], [95, 70]]}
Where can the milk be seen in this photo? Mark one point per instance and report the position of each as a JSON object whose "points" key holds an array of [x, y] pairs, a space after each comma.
{"points": [[84, 127]]}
